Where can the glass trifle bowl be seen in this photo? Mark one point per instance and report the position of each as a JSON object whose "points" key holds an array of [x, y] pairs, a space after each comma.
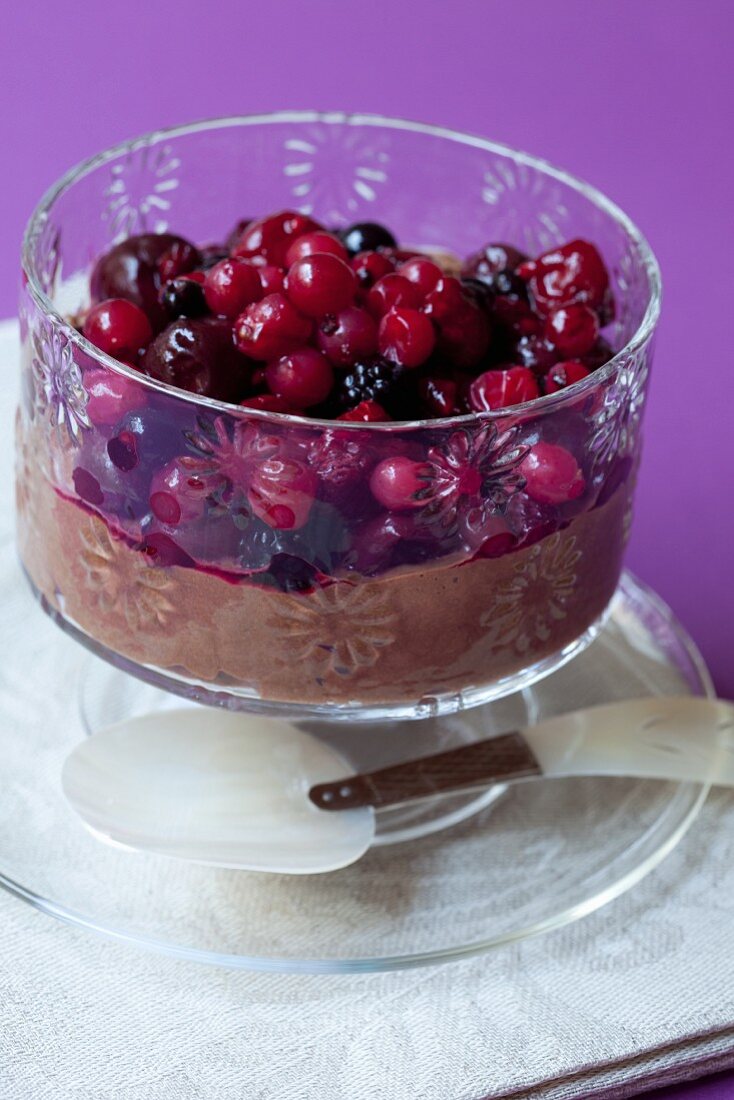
{"points": [[274, 577]]}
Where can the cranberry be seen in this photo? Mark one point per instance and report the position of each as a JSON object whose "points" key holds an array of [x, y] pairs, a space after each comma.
{"points": [[366, 412], [179, 259], [564, 374], [445, 300], [439, 395], [303, 378], [573, 329], [310, 243], [183, 297], [534, 352], [406, 336], [321, 284], [488, 261], [367, 237], [198, 356], [268, 402], [574, 272], [230, 286], [118, 327], [552, 475], [110, 397], [281, 492], [421, 271], [347, 336], [272, 279], [464, 337], [393, 290], [271, 328], [399, 483], [123, 451], [177, 494], [371, 266], [499, 389], [130, 270], [270, 238]]}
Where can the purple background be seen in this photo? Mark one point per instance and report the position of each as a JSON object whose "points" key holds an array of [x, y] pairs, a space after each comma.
{"points": [[633, 96]]}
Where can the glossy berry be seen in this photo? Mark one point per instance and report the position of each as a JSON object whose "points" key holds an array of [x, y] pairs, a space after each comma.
{"points": [[563, 375], [367, 236], [130, 270], [269, 239], [406, 336], [183, 297], [371, 266], [552, 475], [485, 264], [267, 402], [272, 279], [310, 243], [320, 284], [111, 397], [446, 300], [271, 328], [534, 352], [390, 291], [574, 272], [573, 330], [198, 356], [181, 258], [232, 285], [499, 389], [118, 327], [399, 483], [347, 336], [177, 494], [421, 271], [366, 412], [440, 396], [303, 378], [281, 492], [375, 379], [465, 336]]}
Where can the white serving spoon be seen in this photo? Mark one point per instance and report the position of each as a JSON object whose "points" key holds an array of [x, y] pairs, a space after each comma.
{"points": [[241, 791]]}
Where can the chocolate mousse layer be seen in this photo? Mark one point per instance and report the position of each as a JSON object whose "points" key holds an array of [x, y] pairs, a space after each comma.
{"points": [[390, 640]]}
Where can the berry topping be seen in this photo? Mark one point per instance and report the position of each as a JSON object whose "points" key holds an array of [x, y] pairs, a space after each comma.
{"points": [[574, 272], [310, 243], [399, 483], [232, 285], [303, 378], [498, 389], [347, 336], [367, 237], [552, 475], [197, 356], [118, 327], [272, 279], [321, 283], [535, 353], [271, 328], [130, 270], [573, 329], [270, 238], [564, 374], [366, 412], [485, 264], [183, 297], [374, 380], [371, 266], [440, 396], [179, 259], [406, 336], [421, 271], [393, 290], [281, 492]]}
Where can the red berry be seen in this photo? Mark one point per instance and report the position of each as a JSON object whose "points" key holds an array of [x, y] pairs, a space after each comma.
{"points": [[180, 259], [574, 272], [197, 355], [281, 492], [399, 483], [445, 300], [421, 271], [573, 329], [406, 336], [315, 242], [110, 397], [371, 266], [498, 389], [270, 238], [321, 284], [347, 336], [464, 336], [230, 286], [271, 328], [271, 278], [535, 353], [268, 402], [177, 494], [440, 395], [118, 327], [303, 378], [552, 475], [490, 260], [564, 374], [392, 290], [366, 412]]}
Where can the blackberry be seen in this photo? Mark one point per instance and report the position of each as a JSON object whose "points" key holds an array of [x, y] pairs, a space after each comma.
{"points": [[373, 379]]}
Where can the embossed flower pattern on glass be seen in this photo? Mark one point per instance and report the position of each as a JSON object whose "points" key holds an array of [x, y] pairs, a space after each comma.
{"points": [[59, 392], [48, 256], [139, 192], [337, 629], [124, 584], [529, 209], [471, 476], [529, 605], [336, 171], [617, 418]]}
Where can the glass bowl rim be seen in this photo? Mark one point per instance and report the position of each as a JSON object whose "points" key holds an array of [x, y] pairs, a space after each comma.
{"points": [[539, 405]]}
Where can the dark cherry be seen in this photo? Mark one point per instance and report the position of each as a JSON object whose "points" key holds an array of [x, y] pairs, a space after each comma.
{"points": [[181, 258], [118, 327], [198, 356], [465, 336], [485, 264], [367, 237], [440, 396], [130, 270], [271, 328], [573, 272], [183, 297]]}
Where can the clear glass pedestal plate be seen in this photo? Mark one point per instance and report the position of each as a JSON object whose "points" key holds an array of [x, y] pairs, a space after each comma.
{"points": [[482, 873]]}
